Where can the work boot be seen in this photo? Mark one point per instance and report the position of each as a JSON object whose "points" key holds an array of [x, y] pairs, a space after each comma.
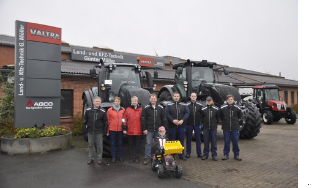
{"points": [[214, 158], [237, 158], [113, 160], [145, 161], [100, 162], [90, 161], [188, 155], [204, 157], [199, 155], [225, 157]]}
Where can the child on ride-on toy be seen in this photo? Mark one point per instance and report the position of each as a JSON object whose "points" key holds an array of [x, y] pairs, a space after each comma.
{"points": [[160, 140]]}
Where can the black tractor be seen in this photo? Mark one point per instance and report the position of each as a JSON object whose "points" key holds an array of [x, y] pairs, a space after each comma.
{"points": [[117, 79], [267, 99], [199, 77]]}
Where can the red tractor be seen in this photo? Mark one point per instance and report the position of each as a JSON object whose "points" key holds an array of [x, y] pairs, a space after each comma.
{"points": [[272, 109]]}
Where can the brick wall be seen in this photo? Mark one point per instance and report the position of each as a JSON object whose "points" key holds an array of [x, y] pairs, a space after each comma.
{"points": [[78, 85], [289, 89], [6, 55]]}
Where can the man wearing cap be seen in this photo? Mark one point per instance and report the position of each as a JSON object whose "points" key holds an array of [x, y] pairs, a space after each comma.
{"points": [[193, 123], [177, 114], [210, 118]]}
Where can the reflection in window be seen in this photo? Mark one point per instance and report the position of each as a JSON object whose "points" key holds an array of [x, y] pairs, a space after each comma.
{"points": [[66, 103]]}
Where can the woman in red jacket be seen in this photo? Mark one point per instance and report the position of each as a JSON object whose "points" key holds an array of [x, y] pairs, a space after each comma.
{"points": [[133, 128], [114, 118]]}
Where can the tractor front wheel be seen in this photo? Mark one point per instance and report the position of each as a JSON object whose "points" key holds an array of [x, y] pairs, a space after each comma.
{"points": [[178, 172], [291, 116], [267, 117], [252, 124], [165, 96], [161, 171]]}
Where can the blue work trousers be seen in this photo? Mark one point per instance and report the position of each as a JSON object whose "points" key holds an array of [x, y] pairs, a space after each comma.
{"points": [[149, 140], [189, 133], [228, 136], [177, 133], [116, 140], [210, 136]]}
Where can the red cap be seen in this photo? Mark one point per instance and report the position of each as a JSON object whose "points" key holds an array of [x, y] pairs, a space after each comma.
{"points": [[161, 128]]}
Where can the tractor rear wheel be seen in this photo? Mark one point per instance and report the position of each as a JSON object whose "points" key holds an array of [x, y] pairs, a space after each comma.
{"points": [[165, 96], [84, 108], [253, 121], [267, 117], [106, 146], [291, 116]]}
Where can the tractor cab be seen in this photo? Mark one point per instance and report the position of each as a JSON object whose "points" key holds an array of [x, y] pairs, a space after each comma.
{"points": [[199, 74], [268, 101], [268, 97]]}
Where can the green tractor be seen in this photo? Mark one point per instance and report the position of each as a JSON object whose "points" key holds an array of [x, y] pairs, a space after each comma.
{"points": [[199, 77], [117, 79]]}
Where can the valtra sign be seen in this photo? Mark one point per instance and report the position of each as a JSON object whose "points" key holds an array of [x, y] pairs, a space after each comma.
{"points": [[38, 74], [44, 33]]}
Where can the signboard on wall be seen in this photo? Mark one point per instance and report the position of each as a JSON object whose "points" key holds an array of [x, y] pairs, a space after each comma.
{"points": [[91, 55], [37, 74]]}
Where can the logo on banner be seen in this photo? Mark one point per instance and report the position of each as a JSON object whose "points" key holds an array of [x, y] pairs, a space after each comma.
{"points": [[39, 105], [146, 62], [47, 34]]}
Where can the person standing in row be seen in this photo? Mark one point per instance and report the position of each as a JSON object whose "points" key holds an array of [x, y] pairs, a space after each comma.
{"points": [[95, 123], [153, 116], [210, 118], [193, 123], [114, 117], [133, 129], [177, 115], [230, 115]]}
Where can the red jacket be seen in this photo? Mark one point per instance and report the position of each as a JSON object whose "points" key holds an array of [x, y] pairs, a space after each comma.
{"points": [[114, 119], [133, 121]]}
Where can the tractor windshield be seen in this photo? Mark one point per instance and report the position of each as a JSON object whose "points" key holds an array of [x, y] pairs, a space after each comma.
{"points": [[200, 74], [121, 75], [272, 94]]}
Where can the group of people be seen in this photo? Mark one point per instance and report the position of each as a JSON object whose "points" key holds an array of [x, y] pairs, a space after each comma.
{"points": [[154, 120]]}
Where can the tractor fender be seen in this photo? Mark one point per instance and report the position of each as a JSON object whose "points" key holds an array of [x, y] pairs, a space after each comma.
{"points": [[166, 88], [89, 96]]}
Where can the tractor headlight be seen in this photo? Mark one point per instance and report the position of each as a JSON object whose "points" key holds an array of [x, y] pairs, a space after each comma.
{"points": [[185, 82]]}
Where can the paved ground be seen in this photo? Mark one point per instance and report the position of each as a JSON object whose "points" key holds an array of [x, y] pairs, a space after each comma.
{"points": [[269, 160]]}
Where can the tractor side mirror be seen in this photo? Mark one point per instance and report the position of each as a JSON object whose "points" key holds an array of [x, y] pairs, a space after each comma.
{"points": [[179, 70], [226, 72], [92, 73]]}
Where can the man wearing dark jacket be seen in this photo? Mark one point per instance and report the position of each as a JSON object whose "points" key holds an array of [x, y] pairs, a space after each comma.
{"points": [[193, 123], [95, 123], [153, 116], [230, 115], [210, 118], [177, 114]]}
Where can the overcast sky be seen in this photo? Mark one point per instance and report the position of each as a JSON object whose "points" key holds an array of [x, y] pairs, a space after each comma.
{"points": [[259, 35]]}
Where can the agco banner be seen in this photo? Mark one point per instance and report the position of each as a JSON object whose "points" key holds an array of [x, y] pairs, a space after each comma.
{"points": [[37, 74]]}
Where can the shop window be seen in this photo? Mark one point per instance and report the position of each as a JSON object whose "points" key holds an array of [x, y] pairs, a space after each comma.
{"points": [[292, 99], [286, 96], [66, 103]]}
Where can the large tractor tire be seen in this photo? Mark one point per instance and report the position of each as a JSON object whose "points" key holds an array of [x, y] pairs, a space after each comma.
{"points": [[252, 123], [267, 117], [291, 116], [84, 108], [165, 96], [106, 147]]}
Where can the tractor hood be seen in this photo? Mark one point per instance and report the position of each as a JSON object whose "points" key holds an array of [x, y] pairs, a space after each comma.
{"points": [[219, 92], [277, 105], [128, 91]]}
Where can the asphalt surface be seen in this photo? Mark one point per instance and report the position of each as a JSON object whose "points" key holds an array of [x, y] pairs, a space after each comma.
{"points": [[69, 169]]}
